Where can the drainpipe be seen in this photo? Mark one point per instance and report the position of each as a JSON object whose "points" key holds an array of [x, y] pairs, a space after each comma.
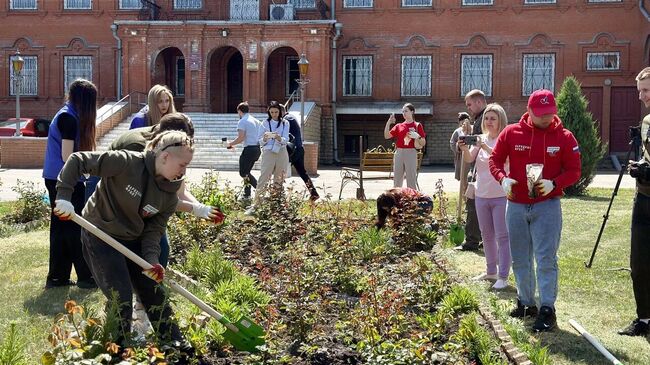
{"points": [[644, 11], [337, 35], [118, 70]]}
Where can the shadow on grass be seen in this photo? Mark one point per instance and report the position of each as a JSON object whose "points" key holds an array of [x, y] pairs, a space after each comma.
{"points": [[49, 302], [575, 348]]}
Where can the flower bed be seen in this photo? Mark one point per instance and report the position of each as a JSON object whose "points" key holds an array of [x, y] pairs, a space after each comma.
{"points": [[324, 283]]}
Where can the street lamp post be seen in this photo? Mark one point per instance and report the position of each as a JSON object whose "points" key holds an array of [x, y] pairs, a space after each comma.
{"points": [[17, 64], [303, 67]]}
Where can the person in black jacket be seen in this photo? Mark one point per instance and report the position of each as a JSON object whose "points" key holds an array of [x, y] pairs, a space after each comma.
{"points": [[475, 102], [297, 159]]}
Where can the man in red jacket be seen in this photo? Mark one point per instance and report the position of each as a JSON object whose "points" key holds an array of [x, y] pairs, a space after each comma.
{"points": [[533, 214]]}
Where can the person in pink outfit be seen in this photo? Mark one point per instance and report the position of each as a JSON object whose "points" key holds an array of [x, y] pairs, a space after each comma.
{"points": [[490, 198]]}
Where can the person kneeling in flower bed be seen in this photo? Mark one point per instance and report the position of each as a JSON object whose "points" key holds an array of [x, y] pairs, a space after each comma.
{"points": [[133, 202], [390, 202]]}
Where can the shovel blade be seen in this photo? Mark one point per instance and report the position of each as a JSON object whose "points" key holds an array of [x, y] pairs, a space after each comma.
{"points": [[246, 335], [456, 234]]}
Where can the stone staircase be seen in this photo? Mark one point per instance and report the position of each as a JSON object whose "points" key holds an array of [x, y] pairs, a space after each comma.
{"points": [[209, 129]]}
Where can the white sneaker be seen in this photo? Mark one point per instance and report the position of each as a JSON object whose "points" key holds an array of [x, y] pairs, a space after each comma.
{"points": [[485, 276], [500, 284]]}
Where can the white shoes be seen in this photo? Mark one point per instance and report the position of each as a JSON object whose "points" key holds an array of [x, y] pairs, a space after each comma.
{"points": [[485, 276], [500, 284]]}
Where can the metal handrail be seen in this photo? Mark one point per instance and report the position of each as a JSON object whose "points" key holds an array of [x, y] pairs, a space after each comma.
{"points": [[106, 114], [289, 100]]}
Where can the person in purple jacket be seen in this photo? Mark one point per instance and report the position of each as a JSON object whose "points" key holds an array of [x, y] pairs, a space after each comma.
{"points": [[160, 101]]}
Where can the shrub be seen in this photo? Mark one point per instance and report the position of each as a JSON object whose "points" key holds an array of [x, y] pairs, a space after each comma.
{"points": [[572, 109], [30, 205]]}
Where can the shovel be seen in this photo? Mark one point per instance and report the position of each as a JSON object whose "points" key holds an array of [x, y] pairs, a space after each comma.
{"points": [[244, 335], [456, 230]]}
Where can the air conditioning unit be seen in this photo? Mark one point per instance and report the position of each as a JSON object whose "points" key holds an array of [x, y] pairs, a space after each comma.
{"points": [[281, 12]]}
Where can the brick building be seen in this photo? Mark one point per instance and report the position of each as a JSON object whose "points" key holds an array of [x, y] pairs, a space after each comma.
{"points": [[367, 57]]}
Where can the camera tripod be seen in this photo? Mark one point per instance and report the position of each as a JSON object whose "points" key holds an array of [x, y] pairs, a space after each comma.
{"points": [[635, 143]]}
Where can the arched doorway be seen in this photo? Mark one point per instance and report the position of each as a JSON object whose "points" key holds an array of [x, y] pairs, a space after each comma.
{"points": [[226, 80], [169, 69], [282, 72]]}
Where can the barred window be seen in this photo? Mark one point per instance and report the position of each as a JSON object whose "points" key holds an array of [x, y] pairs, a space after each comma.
{"points": [[188, 4], [416, 75], [357, 3], [357, 76], [76, 67], [407, 3], [539, 1], [603, 61], [130, 4], [78, 4], [538, 72], [29, 73], [304, 4], [476, 73], [22, 4], [478, 2]]}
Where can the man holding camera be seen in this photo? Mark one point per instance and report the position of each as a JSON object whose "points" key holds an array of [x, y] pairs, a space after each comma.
{"points": [[640, 237], [544, 158], [475, 103]]}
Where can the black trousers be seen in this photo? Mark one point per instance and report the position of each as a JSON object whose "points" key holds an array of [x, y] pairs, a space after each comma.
{"points": [[640, 254], [65, 239], [247, 159], [117, 275], [298, 162], [472, 230]]}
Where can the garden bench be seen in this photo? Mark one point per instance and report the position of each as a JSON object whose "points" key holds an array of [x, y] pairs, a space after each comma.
{"points": [[375, 160]]}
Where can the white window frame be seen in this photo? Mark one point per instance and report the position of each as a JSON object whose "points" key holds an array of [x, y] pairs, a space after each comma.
{"points": [[478, 2], [421, 3], [534, 2], [467, 76], [188, 4], [130, 4], [77, 5], [425, 89], [526, 91], [304, 4], [29, 73], [358, 3], [604, 55], [288, 80], [22, 5], [363, 77], [68, 79]]}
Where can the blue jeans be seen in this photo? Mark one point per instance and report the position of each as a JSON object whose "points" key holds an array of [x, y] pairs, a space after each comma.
{"points": [[535, 230]]}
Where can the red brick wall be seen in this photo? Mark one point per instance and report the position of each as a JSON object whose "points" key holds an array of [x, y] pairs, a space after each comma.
{"points": [[22, 152]]}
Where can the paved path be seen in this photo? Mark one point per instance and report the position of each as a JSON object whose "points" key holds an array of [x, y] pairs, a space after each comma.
{"points": [[328, 181]]}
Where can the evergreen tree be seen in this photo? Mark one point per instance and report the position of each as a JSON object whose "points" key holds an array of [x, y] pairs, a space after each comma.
{"points": [[572, 109]]}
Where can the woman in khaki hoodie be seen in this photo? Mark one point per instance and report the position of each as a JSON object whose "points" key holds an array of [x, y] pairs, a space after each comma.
{"points": [[132, 203]]}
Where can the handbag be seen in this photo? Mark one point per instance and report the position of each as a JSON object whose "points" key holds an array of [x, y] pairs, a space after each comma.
{"points": [[470, 192]]}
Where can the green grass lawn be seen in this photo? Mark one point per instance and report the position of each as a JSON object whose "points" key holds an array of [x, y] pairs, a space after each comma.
{"points": [[599, 298], [23, 299]]}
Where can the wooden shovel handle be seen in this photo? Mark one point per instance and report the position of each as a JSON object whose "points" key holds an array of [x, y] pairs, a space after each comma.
{"points": [[145, 265]]}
